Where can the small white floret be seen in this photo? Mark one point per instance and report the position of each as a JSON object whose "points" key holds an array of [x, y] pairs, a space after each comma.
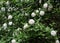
{"points": [[31, 21]]}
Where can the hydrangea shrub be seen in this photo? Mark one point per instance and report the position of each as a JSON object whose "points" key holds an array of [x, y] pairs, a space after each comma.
{"points": [[29, 21]]}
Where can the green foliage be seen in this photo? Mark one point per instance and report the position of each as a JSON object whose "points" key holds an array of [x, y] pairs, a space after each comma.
{"points": [[40, 32]]}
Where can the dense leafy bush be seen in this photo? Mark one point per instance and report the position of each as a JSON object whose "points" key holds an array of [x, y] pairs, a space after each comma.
{"points": [[29, 21]]}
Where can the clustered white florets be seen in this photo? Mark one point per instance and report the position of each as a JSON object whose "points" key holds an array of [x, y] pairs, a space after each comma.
{"points": [[45, 5], [25, 26], [50, 7], [53, 33], [10, 17], [26, 14], [37, 11], [13, 41], [10, 23], [31, 21], [33, 14], [57, 41], [5, 25], [42, 13], [40, 1], [7, 3], [2, 8]]}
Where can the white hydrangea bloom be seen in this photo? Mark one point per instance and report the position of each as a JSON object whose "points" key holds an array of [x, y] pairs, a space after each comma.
{"points": [[33, 14], [25, 26], [27, 0], [45, 5], [2, 8], [26, 14], [31, 21], [57, 41], [19, 28], [50, 7], [7, 3], [53, 33], [39, 8], [10, 23], [42, 13], [10, 9], [22, 0], [13, 41], [37, 11], [40, 1], [10, 17], [5, 25]]}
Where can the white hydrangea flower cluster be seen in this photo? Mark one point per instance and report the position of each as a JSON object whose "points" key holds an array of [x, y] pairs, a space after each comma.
{"points": [[57, 41], [53, 33], [33, 14], [10, 17], [31, 21], [42, 13], [5, 25], [2, 8], [25, 26], [7, 3], [45, 5], [10, 22], [13, 41]]}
